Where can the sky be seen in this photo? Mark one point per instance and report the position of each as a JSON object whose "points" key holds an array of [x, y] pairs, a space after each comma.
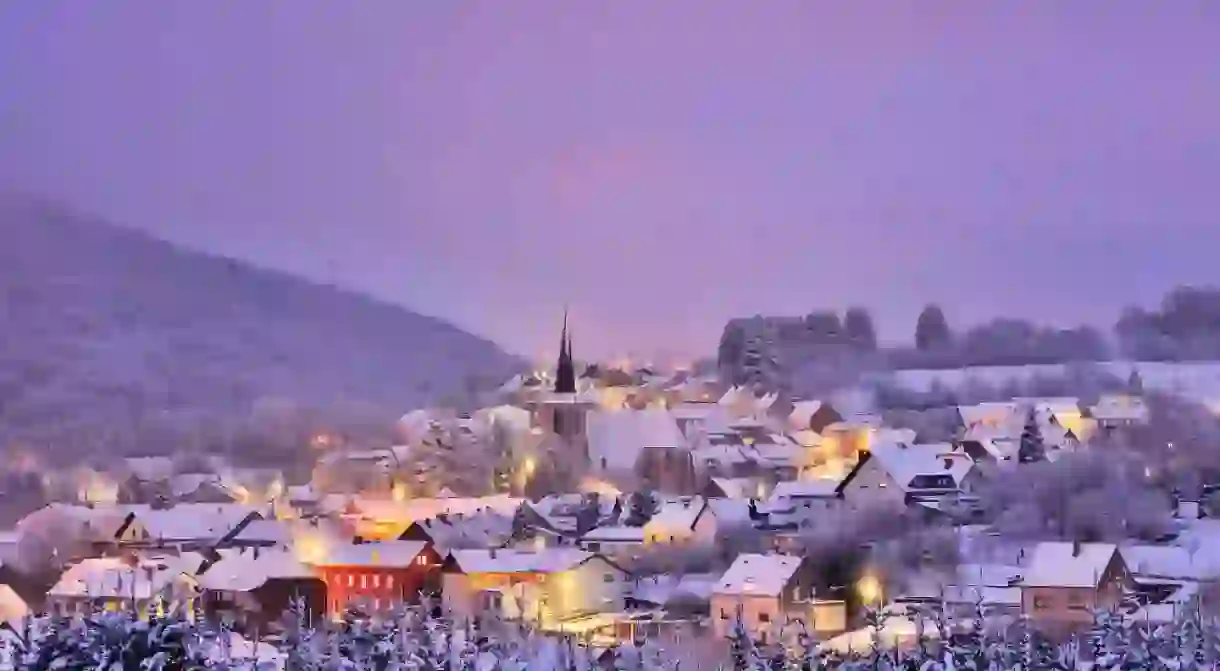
{"points": [[657, 166]]}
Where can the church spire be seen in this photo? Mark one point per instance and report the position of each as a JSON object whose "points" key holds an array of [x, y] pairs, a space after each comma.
{"points": [[565, 371]]}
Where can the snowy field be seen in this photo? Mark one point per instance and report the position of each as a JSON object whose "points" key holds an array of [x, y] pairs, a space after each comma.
{"points": [[1199, 381]]}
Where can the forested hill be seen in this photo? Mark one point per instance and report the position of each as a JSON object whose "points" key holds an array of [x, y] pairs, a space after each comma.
{"points": [[111, 340]]}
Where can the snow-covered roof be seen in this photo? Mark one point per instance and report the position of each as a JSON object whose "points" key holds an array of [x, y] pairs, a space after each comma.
{"points": [[758, 574], [987, 413], [619, 436], [150, 468], [111, 577], [276, 532], [818, 488], [413, 510], [904, 462], [245, 571], [482, 529], [680, 514], [384, 553], [1120, 407], [547, 560], [1063, 564], [615, 534], [188, 521], [1169, 561]]}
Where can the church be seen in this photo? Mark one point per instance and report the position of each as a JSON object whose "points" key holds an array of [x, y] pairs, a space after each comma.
{"points": [[562, 412]]}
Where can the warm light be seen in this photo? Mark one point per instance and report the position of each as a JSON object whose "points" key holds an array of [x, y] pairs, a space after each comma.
{"points": [[869, 589], [1147, 471], [321, 441], [399, 492], [529, 465], [310, 548]]}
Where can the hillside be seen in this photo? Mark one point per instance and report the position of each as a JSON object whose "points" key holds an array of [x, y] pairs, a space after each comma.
{"points": [[112, 342]]}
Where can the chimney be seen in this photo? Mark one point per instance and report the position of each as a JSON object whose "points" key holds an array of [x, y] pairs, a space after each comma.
{"points": [[1076, 548], [1188, 510], [492, 553]]}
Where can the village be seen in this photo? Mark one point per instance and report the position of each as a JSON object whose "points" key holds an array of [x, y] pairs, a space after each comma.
{"points": [[609, 507]]}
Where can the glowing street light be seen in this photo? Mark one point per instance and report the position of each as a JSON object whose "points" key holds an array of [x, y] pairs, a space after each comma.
{"points": [[869, 588]]}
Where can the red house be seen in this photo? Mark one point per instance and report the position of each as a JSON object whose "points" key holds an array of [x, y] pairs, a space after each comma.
{"points": [[379, 576]]}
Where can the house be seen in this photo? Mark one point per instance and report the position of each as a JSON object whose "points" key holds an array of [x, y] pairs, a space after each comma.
{"points": [[645, 444], [687, 521], [256, 586], [1114, 411], [618, 542], [990, 415], [1066, 582], [546, 586], [483, 529], [185, 525], [900, 473], [378, 576], [126, 583], [767, 591], [800, 501]]}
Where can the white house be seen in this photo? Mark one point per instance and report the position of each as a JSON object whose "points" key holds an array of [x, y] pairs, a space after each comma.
{"points": [[764, 592], [546, 586], [899, 472]]}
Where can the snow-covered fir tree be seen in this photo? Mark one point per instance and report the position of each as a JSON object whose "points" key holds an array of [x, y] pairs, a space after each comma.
{"points": [[1031, 447]]}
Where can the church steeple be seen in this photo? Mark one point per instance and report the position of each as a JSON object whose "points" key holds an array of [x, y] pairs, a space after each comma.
{"points": [[565, 370]]}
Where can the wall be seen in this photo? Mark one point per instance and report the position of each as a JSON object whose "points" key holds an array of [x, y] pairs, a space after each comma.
{"points": [[593, 587], [873, 485]]}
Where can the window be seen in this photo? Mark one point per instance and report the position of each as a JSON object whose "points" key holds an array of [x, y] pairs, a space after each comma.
{"points": [[883, 485], [422, 560], [764, 617], [1077, 601], [1041, 603], [351, 580], [364, 581], [724, 615], [376, 581], [389, 581], [607, 577]]}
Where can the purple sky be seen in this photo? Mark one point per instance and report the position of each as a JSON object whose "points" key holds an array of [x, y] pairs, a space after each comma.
{"points": [[659, 165]]}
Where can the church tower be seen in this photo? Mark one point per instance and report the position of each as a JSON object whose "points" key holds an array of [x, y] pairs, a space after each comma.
{"points": [[565, 369]]}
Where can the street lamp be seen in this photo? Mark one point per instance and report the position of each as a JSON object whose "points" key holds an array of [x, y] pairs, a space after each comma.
{"points": [[870, 589]]}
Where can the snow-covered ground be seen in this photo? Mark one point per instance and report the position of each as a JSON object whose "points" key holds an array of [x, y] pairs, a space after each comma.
{"points": [[1196, 380]]}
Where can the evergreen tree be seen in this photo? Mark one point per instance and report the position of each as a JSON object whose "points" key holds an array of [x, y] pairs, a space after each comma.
{"points": [[1031, 448], [932, 330], [858, 324], [641, 506]]}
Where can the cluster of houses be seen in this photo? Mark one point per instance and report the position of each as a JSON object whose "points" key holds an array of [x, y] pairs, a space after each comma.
{"points": [[670, 466]]}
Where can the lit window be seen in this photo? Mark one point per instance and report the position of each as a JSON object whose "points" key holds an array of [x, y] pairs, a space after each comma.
{"points": [[421, 560], [364, 581], [351, 580], [377, 581], [389, 581], [608, 577]]}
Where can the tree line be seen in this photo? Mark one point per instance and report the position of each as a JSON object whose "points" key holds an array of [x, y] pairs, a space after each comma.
{"points": [[1185, 326]]}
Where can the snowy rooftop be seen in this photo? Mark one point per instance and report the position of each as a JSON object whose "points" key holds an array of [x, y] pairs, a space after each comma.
{"points": [[1063, 564], [805, 489], [758, 574], [678, 514], [425, 508], [244, 571], [549, 560], [904, 462], [618, 437], [385, 553]]}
